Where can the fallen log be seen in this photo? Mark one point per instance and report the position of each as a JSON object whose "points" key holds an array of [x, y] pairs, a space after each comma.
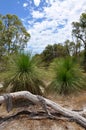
{"points": [[75, 116]]}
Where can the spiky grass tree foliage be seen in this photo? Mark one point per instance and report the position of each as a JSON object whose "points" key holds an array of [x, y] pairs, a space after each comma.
{"points": [[24, 74], [68, 76]]}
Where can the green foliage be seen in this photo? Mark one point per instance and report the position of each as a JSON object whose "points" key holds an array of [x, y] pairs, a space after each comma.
{"points": [[79, 32], [72, 48], [68, 76], [51, 52], [13, 35], [24, 74]]}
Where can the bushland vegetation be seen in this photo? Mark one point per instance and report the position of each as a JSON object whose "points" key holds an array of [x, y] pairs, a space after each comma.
{"points": [[61, 67]]}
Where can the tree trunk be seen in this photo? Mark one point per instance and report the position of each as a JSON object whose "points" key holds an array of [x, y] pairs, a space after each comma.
{"points": [[76, 116], [85, 57]]}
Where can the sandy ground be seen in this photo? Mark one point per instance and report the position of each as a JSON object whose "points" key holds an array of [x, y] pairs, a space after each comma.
{"points": [[75, 101]]}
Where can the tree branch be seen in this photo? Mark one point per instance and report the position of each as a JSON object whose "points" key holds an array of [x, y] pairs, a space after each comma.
{"points": [[76, 116]]}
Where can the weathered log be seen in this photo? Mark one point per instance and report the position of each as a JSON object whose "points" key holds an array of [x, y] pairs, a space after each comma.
{"points": [[76, 116]]}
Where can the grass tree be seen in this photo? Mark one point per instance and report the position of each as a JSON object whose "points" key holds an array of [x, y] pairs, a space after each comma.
{"points": [[68, 76], [24, 75]]}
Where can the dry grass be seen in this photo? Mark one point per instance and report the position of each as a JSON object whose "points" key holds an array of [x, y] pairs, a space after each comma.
{"points": [[25, 124]]}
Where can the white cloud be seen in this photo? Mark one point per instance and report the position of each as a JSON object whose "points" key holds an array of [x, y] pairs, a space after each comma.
{"points": [[37, 2], [37, 14], [25, 5], [58, 16]]}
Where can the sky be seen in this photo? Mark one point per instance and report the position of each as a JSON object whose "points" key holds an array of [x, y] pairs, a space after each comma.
{"points": [[47, 21]]}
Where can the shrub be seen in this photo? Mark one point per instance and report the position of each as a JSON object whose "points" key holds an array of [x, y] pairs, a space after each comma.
{"points": [[68, 76], [24, 75]]}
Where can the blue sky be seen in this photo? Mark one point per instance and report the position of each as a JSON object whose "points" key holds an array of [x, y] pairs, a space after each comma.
{"points": [[48, 21]]}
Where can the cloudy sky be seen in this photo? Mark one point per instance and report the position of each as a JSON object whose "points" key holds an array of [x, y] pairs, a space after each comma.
{"points": [[48, 21]]}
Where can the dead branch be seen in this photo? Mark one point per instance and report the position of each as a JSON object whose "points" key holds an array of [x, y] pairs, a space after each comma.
{"points": [[75, 116]]}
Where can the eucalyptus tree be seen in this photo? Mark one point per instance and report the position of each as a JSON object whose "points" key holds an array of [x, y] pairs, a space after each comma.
{"points": [[67, 47], [79, 31], [73, 48], [78, 47], [53, 51], [13, 35]]}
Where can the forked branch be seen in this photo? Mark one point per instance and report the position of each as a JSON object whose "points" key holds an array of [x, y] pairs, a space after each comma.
{"points": [[75, 116]]}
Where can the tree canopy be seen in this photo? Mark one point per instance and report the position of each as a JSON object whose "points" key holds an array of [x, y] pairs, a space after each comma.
{"points": [[13, 35], [53, 51], [79, 31]]}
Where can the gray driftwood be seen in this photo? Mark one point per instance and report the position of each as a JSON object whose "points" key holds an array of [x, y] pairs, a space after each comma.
{"points": [[75, 116]]}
